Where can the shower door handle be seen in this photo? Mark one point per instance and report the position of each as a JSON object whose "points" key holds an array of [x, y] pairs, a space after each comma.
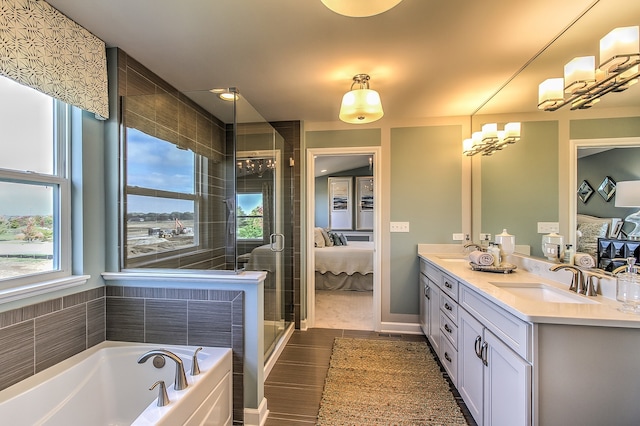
{"points": [[273, 239]]}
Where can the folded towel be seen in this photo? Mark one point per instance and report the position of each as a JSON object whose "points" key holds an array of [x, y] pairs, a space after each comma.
{"points": [[585, 260], [481, 258]]}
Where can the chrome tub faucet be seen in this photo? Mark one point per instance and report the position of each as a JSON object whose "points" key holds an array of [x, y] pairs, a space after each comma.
{"points": [[180, 382]]}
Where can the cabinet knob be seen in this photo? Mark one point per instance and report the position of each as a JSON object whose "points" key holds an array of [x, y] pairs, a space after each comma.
{"points": [[446, 327], [447, 284], [447, 306], [447, 357]]}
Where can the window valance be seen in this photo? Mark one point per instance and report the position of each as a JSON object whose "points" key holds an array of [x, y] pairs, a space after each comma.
{"points": [[43, 49]]}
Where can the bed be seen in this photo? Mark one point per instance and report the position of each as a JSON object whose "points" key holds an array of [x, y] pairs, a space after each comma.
{"points": [[344, 266]]}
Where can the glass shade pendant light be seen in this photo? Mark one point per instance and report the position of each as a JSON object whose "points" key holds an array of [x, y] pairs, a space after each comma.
{"points": [[361, 105], [360, 8]]}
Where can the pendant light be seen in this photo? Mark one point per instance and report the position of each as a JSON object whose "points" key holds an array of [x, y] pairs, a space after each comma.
{"points": [[360, 8], [361, 105]]}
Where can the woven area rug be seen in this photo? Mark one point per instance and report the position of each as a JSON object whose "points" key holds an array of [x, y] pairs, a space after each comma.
{"points": [[386, 382]]}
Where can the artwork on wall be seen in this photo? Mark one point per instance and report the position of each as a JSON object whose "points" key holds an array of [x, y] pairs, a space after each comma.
{"points": [[340, 203], [585, 191], [607, 188], [364, 213]]}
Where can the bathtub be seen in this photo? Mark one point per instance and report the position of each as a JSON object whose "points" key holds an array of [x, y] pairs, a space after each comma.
{"points": [[105, 385]]}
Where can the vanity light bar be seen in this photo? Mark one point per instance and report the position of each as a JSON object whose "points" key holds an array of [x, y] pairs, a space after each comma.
{"points": [[584, 84], [490, 139]]}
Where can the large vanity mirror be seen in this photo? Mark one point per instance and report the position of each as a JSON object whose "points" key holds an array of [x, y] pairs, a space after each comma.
{"points": [[536, 179]]}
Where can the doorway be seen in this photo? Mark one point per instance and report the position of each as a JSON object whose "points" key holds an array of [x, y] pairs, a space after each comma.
{"points": [[343, 280]]}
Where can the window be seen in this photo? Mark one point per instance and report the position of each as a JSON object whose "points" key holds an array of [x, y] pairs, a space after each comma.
{"points": [[35, 243], [161, 199], [250, 216]]}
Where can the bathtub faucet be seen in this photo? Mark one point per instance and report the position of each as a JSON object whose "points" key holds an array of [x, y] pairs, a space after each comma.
{"points": [[181, 378]]}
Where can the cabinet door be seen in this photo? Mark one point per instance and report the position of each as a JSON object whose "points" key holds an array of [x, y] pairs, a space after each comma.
{"points": [[434, 316], [424, 304], [507, 385], [470, 366]]}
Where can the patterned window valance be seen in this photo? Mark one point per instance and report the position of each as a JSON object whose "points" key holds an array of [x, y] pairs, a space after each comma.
{"points": [[42, 48]]}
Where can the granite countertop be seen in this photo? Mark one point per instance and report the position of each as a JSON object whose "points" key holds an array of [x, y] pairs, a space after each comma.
{"points": [[602, 313]]}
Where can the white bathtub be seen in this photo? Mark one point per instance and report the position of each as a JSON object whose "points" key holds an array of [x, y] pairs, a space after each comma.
{"points": [[105, 385]]}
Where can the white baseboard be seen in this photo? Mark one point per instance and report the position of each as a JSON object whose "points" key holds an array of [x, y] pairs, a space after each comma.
{"points": [[304, 325], [400, 327], [256, 416]]}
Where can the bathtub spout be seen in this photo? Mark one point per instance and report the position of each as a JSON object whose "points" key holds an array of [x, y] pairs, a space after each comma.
{"points": [[180, 382]]}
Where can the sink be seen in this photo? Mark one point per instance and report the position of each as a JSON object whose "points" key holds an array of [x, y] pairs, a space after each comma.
{"points": [[542, 292]]}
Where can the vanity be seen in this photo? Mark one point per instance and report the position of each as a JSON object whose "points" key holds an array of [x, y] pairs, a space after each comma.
{"points": [[521, 349]]}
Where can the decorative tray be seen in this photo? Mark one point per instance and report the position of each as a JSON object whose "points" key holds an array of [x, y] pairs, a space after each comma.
{"points": [[504, 268]]}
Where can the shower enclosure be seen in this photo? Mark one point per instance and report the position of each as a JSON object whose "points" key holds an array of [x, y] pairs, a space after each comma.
{"points": [[207, 185]]}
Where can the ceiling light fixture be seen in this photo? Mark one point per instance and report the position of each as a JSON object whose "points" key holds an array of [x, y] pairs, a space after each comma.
{"points": [[361, 105], [584, 84], [490, 139], [228, 94], [360, 8]]}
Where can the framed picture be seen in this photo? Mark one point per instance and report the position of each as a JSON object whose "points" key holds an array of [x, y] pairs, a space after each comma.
{"points": [[340, 203], [607, 188], [364, 208]]}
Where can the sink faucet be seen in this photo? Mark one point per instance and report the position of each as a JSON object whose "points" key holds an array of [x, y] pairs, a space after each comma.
{"points": [[576, 280], [477, 246], [180, 382]]}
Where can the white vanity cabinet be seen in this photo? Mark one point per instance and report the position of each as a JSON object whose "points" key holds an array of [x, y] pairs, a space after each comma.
{"points": [[494, 381], [485, 350]]}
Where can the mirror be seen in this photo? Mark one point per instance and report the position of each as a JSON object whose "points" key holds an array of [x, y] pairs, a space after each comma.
{"points": [[534, 180]]}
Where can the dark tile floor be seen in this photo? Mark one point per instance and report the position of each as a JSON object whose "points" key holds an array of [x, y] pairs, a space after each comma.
{"points": [[294, 386]]}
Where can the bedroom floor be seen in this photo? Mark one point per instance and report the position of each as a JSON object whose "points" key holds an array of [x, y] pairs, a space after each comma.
{"points": [[351, 310]]}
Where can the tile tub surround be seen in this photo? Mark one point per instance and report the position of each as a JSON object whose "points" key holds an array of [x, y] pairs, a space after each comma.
{"points": [[38, 336], [181, 316]]}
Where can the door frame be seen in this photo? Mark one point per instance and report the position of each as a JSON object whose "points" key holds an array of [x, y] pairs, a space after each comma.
{"points": [[375, 152]]}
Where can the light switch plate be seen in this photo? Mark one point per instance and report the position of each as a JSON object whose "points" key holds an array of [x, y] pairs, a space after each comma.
{"points": [[458, 237], [399, 227], [548, 227]]}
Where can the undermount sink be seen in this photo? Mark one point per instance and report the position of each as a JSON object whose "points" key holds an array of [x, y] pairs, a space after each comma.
{"points": [[542, 292]]}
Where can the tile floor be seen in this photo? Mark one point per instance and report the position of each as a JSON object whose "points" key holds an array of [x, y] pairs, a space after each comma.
{"points": [[294, 387]]}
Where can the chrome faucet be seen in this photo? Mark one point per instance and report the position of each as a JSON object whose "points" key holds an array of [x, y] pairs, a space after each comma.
{"points": [[477, 246], [577, 283], [180, 382]]}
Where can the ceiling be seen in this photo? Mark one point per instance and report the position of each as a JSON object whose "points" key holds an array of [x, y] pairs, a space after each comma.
{"points": [[294, 59]]}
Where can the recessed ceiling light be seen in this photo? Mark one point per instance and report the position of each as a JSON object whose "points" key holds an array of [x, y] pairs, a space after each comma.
{"points": [[227, 94]]}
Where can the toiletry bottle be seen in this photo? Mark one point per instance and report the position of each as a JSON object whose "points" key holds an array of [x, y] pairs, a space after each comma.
{"points": [[495, 251], [568, 254], [628, 288]]}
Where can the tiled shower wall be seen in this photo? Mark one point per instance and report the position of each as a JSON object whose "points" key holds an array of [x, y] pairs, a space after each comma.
{"points": [[38, 336]]}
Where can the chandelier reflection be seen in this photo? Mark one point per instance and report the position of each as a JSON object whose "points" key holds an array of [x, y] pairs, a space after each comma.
{"points": [[255, 166]]}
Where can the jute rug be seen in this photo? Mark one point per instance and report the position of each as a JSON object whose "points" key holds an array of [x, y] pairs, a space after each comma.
{"points": [[385, 382]]}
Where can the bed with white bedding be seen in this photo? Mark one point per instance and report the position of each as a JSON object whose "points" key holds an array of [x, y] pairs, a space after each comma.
{"points": [[345, 267]]}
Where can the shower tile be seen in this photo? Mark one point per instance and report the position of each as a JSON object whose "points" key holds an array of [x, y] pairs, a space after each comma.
{"points": [[115, 290], [178, 293], [166, 321], [16, 353], [125, 319], [210, 323], [43, 308], [60, 336]]}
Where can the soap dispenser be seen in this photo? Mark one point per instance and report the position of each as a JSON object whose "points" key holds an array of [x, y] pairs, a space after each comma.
{"points": [[628, 288]]}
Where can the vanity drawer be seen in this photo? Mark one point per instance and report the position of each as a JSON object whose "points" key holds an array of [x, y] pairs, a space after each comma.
{"points": [[449, 307], [514, 332], [428, 269], [449, 358], [449, 286], [449, 329]]}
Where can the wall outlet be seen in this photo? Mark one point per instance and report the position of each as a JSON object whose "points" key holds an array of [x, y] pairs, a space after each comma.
{"points": [[458, 237], [399, 227], [548, 227], [485, 237]]}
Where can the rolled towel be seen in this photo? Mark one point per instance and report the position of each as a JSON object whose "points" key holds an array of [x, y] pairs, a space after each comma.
{"points": [[481, 258], [585, 260]]}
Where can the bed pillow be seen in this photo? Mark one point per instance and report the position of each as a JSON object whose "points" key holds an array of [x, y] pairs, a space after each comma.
{"points": [[337, 240], [589, 233], [343, 239], [318, 239], [328, 241]]}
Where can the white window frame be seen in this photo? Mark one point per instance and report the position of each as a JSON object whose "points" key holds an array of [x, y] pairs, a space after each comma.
{"points": [[61, 275]]}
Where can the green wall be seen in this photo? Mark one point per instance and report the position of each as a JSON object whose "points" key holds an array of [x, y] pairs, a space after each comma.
{"points": [[520, 185], [597, 128], [426, 182], [343, 138]]}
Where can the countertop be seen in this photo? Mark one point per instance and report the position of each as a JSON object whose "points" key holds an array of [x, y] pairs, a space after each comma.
{"points": [[603, 313]]}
